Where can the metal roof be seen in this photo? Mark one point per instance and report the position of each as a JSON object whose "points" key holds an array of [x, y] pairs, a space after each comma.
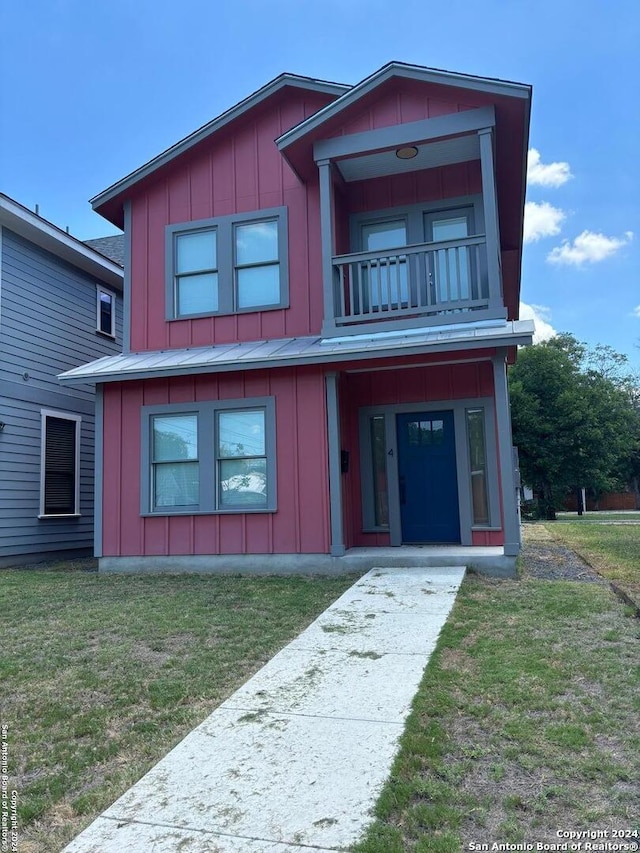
{"points": [[285, 352]]}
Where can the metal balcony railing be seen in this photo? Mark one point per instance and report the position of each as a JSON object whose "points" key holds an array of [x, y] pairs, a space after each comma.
{"points": [[426, 279]]}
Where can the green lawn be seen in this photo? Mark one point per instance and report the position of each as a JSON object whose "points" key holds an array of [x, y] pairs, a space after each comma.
{"points": [[612, 549], [102, 675], [526, 722]]}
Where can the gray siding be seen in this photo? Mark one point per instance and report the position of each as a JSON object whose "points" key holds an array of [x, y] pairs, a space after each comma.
{"points": [[47, 325]]}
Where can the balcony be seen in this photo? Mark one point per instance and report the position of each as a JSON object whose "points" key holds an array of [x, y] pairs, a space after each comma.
{"points": [[395, 280], [421, 284]]}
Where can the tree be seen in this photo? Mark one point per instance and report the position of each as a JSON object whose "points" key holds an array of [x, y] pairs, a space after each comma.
{"points": [[576, 422]]}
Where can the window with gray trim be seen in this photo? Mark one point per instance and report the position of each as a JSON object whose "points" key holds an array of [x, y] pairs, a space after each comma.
{"points": [[227, 265], [105, 311], [209, 457], [59, 464]]}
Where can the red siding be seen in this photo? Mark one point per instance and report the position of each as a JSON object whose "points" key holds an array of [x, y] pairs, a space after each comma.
{"points": [[242, 170], [300, 524], [459, 179], [389, 387], [236, 171], [401, 101]]}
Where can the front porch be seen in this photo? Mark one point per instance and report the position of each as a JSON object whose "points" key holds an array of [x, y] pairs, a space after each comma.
{"points": [[421, 464], [488, 560]]}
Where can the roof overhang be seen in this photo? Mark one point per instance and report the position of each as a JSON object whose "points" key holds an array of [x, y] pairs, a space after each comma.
{"points": [[103, 203], [34, 228], [297, 352], [323, 134], [422, 74]]}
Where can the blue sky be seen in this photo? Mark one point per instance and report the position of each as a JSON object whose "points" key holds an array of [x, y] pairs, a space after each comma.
{"points": [[91, 90]]}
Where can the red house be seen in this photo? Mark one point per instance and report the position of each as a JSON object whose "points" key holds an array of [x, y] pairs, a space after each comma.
{"points": [[321, 298]]}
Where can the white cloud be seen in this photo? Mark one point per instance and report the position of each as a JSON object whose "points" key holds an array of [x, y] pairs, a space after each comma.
{"points": [[546, 174], [540, 316], [541, 219], [636, 311], [588, 248]]}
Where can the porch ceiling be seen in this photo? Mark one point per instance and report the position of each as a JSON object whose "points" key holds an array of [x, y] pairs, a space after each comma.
{"points": [[442, 152]]}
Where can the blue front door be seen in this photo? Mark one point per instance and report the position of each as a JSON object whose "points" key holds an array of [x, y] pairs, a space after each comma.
{"points": [[427, 473]]}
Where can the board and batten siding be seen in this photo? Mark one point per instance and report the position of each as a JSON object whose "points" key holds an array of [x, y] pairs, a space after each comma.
{"points": [[47, 326], [239, 170], [420, 384], [300, 525]]}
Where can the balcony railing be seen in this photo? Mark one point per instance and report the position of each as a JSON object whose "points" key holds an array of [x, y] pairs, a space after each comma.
{"points": [[424, 281]]}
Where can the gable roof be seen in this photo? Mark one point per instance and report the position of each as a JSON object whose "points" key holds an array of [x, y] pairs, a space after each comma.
{"points": [[421, 73], [216, 124], [48, 236]]}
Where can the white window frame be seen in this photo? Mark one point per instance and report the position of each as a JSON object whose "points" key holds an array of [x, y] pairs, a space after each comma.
{"points": [[208, 457], [52, 413], [104, 291], [224, 229]]}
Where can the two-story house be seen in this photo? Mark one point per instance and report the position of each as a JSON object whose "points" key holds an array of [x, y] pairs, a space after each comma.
{"points": [[60, 304], [320, 304]]}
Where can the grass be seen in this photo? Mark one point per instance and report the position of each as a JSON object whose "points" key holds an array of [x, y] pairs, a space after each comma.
{"points": [[612, 549], [618, 517], [102, 675], [526, 722]]}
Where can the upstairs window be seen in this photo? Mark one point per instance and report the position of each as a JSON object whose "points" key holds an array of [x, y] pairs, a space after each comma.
{"points": [[227, 265], [105, 311], [196, 267], [59, 464]]}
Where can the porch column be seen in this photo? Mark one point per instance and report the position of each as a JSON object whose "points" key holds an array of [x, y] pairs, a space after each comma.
{"points": [[326, 232], [510, 520], [98, 481], [335, 475], [490, 207]]}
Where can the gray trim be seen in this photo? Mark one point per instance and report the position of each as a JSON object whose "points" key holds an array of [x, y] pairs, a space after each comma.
{"points": [[126, 300], [225, 252], [326, 234], [112, 296], [413, 215], [313, 352], [335, 474], [64, 400], [207, 454], [397, 135], [491, 457], [490, 204], [510, 522], [414, 72], [49, 237], [98, 472], [280, 82], [463, 474]]}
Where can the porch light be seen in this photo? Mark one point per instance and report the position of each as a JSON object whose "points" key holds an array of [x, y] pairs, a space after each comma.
{"points": [[407, 153]]}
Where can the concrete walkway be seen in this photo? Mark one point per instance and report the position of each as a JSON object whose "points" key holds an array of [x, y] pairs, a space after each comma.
{"points": [[297, 757]]}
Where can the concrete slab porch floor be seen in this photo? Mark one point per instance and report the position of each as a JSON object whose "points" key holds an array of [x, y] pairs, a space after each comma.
{"points": [[296, 758]]}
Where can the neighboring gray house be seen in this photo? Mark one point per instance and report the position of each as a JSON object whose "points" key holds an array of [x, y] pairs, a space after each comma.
{"points": [[60, 306]]}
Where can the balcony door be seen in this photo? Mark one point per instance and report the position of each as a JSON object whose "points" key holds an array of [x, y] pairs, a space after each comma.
{"points": [[385, 278], [452, 277]]}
